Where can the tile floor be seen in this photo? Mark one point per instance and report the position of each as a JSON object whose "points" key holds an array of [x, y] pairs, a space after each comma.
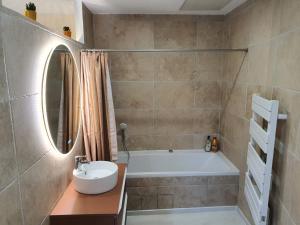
{"points": [[188, 217]]}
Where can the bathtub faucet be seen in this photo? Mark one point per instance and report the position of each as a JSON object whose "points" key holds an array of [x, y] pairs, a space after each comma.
{"points": [[171, 150]]}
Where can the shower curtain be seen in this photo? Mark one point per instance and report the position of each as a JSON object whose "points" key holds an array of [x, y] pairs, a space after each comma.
{"points": [[69, 108], [99, 126]]}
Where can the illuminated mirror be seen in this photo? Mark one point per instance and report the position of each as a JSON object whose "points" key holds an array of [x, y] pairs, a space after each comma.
{"points": [[61, 99]]}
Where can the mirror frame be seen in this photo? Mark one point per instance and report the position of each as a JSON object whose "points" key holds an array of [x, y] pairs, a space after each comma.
{"points": [[44, 104]]}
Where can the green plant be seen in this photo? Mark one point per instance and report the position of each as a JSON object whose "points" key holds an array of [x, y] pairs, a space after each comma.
{"points": [[66, 28], [30, 6]]}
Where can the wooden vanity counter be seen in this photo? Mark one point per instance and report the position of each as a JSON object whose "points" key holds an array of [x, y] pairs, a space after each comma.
{"points": [[75, 208]]}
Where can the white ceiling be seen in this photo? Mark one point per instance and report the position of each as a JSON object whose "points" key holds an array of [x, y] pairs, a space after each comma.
{"points": [[189, 7]]}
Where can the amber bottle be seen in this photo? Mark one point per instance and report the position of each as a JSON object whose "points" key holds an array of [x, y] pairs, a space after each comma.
{"points": [[214, 144]]}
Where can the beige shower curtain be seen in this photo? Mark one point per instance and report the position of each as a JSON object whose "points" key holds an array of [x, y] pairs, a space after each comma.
{"points": [[69, 106], [99, 128]]}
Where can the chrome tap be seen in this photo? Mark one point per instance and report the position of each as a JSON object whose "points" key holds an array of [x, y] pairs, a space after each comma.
{"points": [[80, 160]]}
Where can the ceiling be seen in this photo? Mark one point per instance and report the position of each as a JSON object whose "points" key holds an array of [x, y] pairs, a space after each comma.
{"points": [[188, 7]]}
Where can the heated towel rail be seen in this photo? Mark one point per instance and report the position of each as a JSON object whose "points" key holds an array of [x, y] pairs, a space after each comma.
{"points": [[260, 156]]}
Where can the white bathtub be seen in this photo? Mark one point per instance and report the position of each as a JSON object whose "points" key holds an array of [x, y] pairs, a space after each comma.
{"points": [[162, 163]]}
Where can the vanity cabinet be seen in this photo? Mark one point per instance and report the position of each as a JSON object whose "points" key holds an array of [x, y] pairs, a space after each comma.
{"points": [[104, 209]]}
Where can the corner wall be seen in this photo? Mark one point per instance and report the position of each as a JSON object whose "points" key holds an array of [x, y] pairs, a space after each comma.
{"points": [[271, 31], [33, 175]]}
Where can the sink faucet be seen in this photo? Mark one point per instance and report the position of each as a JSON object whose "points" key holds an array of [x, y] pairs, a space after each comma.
{"points": [[80, 160]]}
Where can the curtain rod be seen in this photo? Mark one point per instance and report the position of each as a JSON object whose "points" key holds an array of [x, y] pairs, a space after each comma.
{"points": [[167, 50]]}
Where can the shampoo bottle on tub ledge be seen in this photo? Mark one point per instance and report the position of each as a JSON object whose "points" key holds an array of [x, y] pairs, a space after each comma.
{"points": [[208, 144]]}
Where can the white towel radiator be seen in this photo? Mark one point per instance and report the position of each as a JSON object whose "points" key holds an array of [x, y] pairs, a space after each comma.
{"points": [[259, 172]]}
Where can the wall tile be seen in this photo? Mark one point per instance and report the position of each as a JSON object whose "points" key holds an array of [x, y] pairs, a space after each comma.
{"points": [[165, 202], [178, 32], [289, 18], [173, 141], [208, 94], [8, 165], [41, 179], [123, 31], [209, 61], [140, 142], [175, 66], [174, 121], [286, 71], [132, 66], [10, 207], [25, 78], [174, 95], [140, 122], [295, 190], [206, 121], [224, 194], [31, 143], [138, 95], [210, 33], [3, 83], [261, 21]]}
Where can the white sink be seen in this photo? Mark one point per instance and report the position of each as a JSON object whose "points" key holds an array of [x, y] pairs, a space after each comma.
{"points": [[95, 177]]}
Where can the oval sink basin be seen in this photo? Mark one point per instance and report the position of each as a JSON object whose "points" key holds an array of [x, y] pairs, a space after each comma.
{"points": [[95, 177]]}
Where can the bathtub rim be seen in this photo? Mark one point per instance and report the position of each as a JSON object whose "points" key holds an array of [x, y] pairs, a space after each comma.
{"points": [[234, 170]]}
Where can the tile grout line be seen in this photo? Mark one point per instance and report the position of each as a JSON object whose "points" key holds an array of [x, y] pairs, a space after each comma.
{"points": [[13, 136]]}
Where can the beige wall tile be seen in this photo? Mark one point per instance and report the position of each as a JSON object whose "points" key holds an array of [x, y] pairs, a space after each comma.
{"points": [[140, 142], [10, 206], [174, 121], [295, 204], [258, 65], [137, 95], [88, 26], [206, 121], [173, 141], [132, 66], [210, 33], [261, 22], [165, 202], [175, 66], [289, 18], [123, 31], [239, 29], [174, 95], [286, 70], [236, 104], [224, 194], [177, 32], [208, 95], [140, 122], [209, 61]]}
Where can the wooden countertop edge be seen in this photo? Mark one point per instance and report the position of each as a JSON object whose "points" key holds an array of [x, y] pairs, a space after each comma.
{"points": [[64, 207]]}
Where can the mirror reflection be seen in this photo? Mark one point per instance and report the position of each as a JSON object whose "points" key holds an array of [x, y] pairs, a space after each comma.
{"points": [[62, 99]]}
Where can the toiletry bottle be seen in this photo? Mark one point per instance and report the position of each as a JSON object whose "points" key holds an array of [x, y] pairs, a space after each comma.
{"points": [[208, 144], [214, 145]]}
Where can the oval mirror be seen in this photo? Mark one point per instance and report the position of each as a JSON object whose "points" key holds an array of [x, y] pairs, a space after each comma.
{"points": [[61, 99]]}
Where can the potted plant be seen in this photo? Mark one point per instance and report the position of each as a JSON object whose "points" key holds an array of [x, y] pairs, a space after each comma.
{"points": [[67, 31], [30, 10]]}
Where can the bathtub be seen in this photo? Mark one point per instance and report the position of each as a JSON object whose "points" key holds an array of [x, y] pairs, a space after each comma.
{"points": [[159, 179], [162, 163]]}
